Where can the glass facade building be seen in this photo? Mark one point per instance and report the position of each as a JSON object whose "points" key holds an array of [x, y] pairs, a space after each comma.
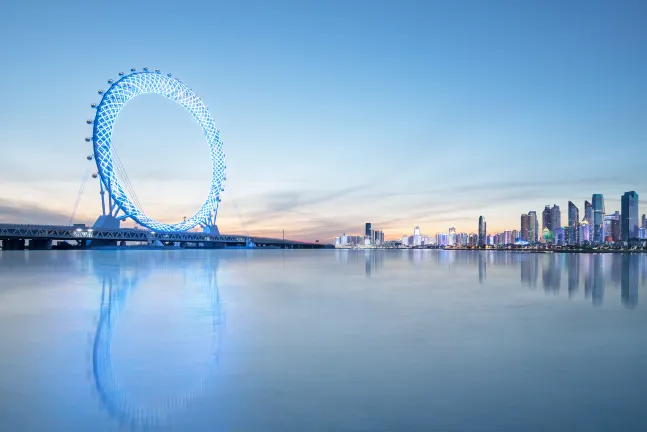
{"points": [[573, 224], [629, 217], [598, 218]]}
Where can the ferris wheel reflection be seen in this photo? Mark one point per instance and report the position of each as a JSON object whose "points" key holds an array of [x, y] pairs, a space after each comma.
{"points": [[120, 275]]}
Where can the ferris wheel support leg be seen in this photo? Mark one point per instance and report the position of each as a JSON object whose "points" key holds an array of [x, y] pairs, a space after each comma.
{"points": [[103, 199], [210, 225]]}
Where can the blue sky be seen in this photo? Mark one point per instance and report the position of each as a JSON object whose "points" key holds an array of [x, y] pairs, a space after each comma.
{"points": [[332, 113]]}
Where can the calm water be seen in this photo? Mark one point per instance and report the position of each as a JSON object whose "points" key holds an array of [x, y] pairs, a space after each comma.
{"points": [[304, 341]]}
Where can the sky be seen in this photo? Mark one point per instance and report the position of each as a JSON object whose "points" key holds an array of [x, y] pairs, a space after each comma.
{"points": [[332, 113]]}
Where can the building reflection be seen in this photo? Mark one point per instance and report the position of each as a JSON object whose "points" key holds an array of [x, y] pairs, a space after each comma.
{"points": [[573, 265], [629, 280], [120, 273], [552, 273], [529, 269], [598, 279], [589, 275], [482, 263], [373, 261]]}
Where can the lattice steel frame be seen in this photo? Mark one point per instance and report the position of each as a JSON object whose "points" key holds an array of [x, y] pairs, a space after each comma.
{"points": [[114, 99]]}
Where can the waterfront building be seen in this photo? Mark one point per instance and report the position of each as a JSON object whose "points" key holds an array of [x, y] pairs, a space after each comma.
{"points": [[546, 222], [555, 218], [598, 218], [405, 240], [559, 236], [452, 236], [629, 219], [573, 224], [515, 236], [611, 224], [368, 230], [615, 230], [588, 212], [533, 227], [524, 227], [643, 222], [547, 235], [585, 231], [416, 238], [482, 231]]}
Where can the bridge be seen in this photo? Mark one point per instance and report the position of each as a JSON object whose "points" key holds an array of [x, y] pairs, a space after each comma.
{"points": [[42, 237]]}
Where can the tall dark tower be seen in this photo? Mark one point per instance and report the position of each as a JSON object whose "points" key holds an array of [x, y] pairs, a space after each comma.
{"points": [[482, 231], [573, 223], [523, 235], [546, 219], [629, 217], [368, 230]]}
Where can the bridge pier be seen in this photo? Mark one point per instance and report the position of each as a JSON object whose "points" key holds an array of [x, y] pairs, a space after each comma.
{"points": [[13, 244], [40, 244]]}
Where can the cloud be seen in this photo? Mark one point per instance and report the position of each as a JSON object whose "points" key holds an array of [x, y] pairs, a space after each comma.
{"points": [[289, 202], [21, 213]]}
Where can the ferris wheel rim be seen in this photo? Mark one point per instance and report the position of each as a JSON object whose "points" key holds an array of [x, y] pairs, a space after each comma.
{"points": [[112, 102]]}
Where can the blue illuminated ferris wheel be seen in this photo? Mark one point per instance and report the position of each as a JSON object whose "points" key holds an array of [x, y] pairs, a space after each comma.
{"points": [[119, 205]]}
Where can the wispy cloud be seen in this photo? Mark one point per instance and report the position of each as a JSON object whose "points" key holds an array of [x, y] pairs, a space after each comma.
{"points": [[15, 212]]}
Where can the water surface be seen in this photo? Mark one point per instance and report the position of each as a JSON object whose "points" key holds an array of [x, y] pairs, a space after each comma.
{"points": [[322, 340]]}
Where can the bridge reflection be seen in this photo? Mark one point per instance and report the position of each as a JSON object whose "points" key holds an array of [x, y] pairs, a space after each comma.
{"points": [[120, 275]]}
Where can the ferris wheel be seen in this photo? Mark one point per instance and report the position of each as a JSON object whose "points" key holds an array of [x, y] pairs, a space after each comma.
{"points": [[121, 205]]}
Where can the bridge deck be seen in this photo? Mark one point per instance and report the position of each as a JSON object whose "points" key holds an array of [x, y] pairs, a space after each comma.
{"points": [[55, 232]]}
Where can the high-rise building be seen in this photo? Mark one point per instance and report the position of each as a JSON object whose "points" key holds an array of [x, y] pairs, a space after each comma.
{"points": [[629, 218], [416, 238], [482, 231], [588, 212], [546, 221], [452, 236], [533, 227], [643, 222], [585, 231], [555, 218], [598, 218], [612, 227], [524, 228], [368, 229], [615, 230], [573, 224]]}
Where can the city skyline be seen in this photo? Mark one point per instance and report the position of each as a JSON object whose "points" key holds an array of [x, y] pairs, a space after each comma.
{"points": [[456, 126]]}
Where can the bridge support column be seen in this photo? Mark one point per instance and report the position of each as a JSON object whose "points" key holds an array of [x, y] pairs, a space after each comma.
{"points": [[40, 244], [13, 244]]}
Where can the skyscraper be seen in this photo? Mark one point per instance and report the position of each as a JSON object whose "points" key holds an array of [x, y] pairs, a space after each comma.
{"points": [[573, 224], [598, 218], [533, 227], [643, 221], [612, 227], [417, 238], [555, 218], [629, 217], [588, 212], [546, 219], [523, 234], [368, 229], [585, 232], [482, 231]]}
